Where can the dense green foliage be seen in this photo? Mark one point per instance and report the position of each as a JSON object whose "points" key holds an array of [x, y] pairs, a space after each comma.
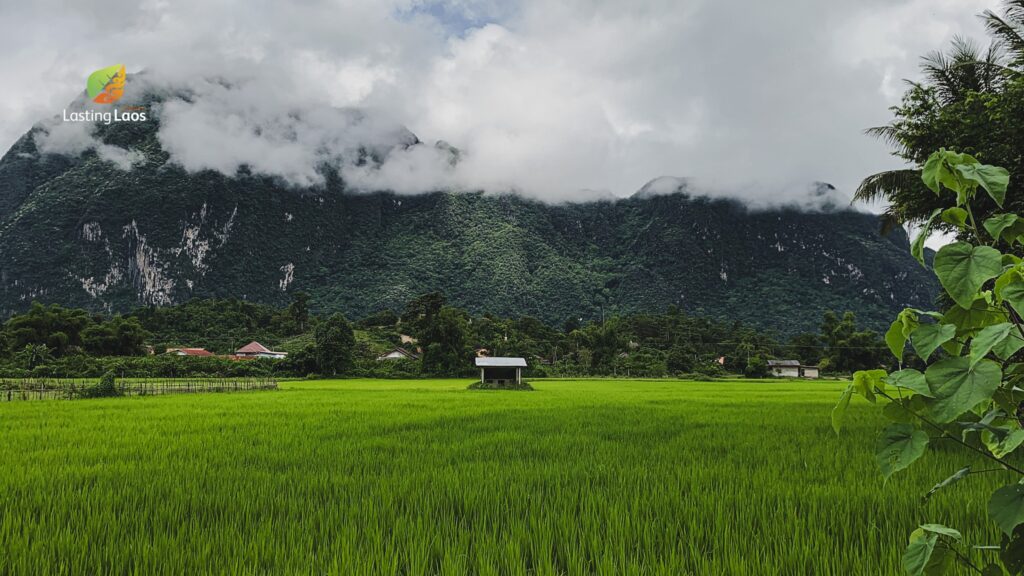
{"points": [[425, 477], [223, 326], [334, 344], [971, 100], [969, 392], [444, 337], [83, 233]]}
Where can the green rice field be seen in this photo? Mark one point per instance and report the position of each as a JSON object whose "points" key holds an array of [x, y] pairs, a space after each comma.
{"points": [[426, 477]]}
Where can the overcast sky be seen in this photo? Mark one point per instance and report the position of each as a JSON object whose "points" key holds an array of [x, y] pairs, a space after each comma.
{"points": [[558, 100]]}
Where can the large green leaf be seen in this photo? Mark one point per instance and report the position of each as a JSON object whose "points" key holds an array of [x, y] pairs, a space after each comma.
{"points": [[958, 386], [938, 169], [900, 330], [963, 269], [1006, 507], [993, 179], [975, 317], [987, 339], [898, 447], [996, 225], [910, 379], [927, 337], [926, 555], [865, 382], [839, 412], [896, 340], [955, 216]]}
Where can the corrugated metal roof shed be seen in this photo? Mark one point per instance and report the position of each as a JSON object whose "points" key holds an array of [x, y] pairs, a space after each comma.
{"points": [[500, 362]]}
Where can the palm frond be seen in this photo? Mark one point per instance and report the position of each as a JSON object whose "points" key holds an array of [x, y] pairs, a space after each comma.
{"points": [[885, 185], [964, 69], [1008, 29]]}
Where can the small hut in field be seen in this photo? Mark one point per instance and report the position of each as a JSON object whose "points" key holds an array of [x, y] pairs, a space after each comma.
{"points": [[501, 372]]}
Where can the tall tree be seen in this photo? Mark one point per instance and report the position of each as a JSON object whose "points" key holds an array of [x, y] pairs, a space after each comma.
{"points": [[971, 99], [334, 344], [115, 337], [445, 343], [419, 313], [298, 310], [59, 328]]}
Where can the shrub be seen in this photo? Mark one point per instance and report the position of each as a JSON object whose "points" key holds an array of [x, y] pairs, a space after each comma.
{"points": [[105, 388]]}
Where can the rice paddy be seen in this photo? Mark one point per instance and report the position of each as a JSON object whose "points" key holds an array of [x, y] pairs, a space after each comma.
{"points": [[426, 477]]}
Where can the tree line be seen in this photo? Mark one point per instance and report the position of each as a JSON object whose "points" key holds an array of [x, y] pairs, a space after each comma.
{"points": [[59, 341]]}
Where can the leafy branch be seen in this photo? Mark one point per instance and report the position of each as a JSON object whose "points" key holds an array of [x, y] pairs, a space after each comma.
{"points": [[972, 380]]}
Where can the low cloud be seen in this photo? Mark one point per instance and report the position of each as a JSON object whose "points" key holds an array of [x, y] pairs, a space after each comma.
{"points": [[559, 102], [75, 138]]}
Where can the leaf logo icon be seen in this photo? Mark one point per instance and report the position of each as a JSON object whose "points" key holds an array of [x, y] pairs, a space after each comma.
{"points": [[106, 85]]}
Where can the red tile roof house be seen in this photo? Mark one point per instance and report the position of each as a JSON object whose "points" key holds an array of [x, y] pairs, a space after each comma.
{"points": [[256, 350], [189, 352]]}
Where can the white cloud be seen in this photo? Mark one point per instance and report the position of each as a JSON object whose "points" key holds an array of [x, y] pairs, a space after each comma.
{"points": [[555, 100]]}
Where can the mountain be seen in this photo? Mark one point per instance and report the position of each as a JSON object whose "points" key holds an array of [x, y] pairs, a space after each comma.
{"points": [[81, 231]]}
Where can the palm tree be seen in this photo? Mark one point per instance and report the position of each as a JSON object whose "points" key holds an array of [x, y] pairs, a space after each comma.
{"points": [[36, 354], [949, 78]]}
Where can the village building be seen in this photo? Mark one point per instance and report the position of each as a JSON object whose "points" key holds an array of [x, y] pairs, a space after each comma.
{"points": [[398, 353], [792, 369], [500, 371], [189, 352], [256, 350]]}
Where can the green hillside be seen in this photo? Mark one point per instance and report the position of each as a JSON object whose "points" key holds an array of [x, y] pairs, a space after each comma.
{"points": [[81, 232]]}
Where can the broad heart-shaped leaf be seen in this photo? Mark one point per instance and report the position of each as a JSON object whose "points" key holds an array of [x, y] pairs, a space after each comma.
{"points": [[927, 337], [989, 337], [956, 477], [938, 169], [963, 268], [975, 317], [926, 555], [839, 412], [958, 386], [865, 382], [993, 179], [996, 225], [910, 379], [898, 447], [955, 216], [1006, 507], [917, 247]]}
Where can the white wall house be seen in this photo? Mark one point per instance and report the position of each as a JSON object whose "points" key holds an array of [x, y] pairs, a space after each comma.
{"points": [[792, 369]]}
